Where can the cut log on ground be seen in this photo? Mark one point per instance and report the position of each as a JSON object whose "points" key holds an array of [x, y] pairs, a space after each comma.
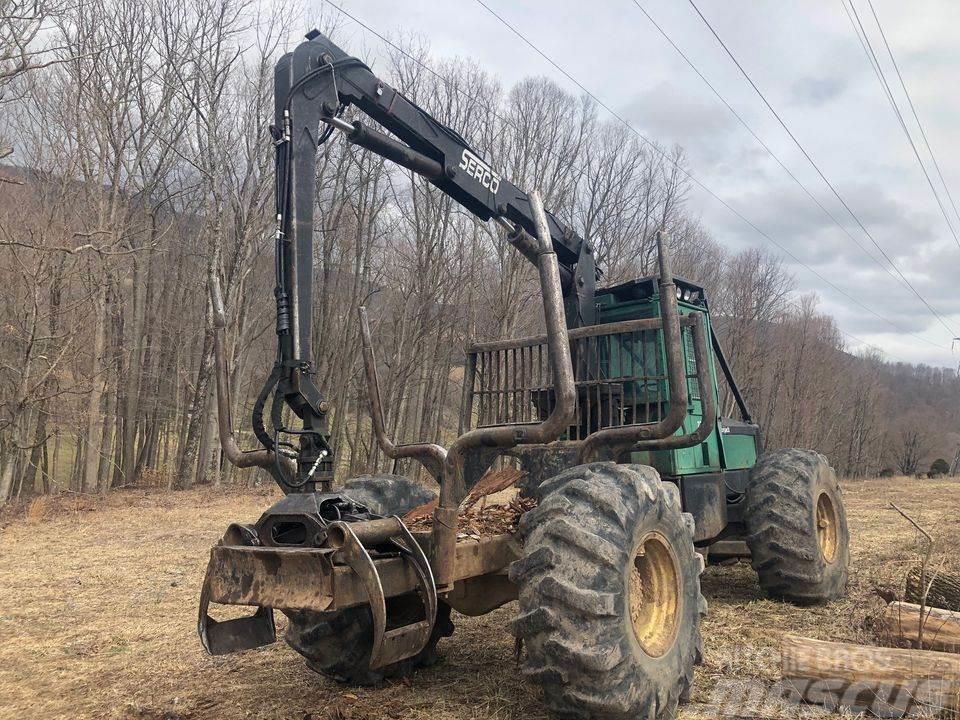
{"points": [[944, 588], [941, 628], [886, 682]]}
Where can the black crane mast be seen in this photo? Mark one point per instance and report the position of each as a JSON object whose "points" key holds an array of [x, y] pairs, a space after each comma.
{"points": [[313, 85]]}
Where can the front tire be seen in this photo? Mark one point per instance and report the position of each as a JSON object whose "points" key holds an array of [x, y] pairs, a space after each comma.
{"points": [[797, 527], [609, 594], [387, 494], [339, 644]]}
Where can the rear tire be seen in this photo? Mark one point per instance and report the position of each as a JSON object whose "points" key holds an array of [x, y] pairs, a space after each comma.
{"points": [[339, 644], [611, 632], [797, 527]]}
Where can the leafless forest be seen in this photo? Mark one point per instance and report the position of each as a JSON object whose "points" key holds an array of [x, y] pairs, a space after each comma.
{"points": [[135, 159]]}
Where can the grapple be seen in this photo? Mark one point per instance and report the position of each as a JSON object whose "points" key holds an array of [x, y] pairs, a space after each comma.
{"points": [[297, 557]]}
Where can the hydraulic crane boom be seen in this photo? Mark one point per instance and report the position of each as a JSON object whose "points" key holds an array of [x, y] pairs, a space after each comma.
{"points": [[313, 86]]}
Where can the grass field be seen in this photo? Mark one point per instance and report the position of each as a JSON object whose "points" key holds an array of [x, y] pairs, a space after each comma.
{"points": [[98, 618]]}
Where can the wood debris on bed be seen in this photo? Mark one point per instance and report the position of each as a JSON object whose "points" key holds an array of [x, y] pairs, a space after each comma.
{"points": [[478, 516], [484, 520]]}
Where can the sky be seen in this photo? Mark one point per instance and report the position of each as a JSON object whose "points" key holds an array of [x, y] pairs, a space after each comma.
{"points": [[808, 62]]}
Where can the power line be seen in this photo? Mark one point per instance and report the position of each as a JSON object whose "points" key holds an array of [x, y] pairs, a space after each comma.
{"points": [[786, 169], [878, 70], [796, 304], [885, 86], [653, 145], [700, 184], [816, 167], [443, 79], [914, 110], [766, 147]]}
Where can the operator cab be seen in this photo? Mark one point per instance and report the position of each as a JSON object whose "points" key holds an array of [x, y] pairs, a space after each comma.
{"points": [[646, 288], [713, 474]]}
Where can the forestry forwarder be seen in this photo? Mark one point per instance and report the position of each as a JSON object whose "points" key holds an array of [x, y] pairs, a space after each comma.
{"points": [[612, 414]]}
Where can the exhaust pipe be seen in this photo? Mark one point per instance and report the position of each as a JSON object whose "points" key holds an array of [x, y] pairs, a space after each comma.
{"points": [[708, 417]]}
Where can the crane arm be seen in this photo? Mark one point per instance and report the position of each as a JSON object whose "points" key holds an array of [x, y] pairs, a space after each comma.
{"points": [[313, 85]]}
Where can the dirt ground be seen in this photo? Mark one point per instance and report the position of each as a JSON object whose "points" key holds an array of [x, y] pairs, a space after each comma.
{"points": [[98, 617]]}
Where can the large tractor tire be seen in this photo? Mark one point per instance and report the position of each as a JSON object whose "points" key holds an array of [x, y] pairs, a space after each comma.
{"points": [[339, 644], [797, 527], [610, 599], [387, 494]]}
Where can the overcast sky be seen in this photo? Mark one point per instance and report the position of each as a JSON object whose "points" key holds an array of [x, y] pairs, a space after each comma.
{"points": [[810, 65]]}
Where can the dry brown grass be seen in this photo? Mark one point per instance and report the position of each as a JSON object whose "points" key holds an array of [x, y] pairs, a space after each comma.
{"points": [[98, 614]]}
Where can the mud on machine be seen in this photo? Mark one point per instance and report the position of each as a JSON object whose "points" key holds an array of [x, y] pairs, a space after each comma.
{"points": [[612, 415]]}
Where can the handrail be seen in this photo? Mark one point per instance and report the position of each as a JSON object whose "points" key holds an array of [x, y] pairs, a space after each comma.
{"points": [[430, 455], [228, 441], [452, 487], [610, 443], [614, 328]]}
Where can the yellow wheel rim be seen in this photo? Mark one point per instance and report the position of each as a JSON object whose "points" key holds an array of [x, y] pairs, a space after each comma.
{"points": [[827, 527], [655, 598]]}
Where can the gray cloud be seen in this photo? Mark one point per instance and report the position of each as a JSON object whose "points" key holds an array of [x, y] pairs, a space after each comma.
{"points": [[810, 65], [693, 120], [817, 90]]}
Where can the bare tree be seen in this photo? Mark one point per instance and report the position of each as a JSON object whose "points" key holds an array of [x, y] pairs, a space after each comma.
{"points": [[130, 192], [911, 449]]}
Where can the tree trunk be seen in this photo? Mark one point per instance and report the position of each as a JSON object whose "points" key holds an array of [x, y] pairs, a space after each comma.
{"points": [[940, 628], [109, 473], [76, 472], [206, 466], [131, 406], [28, 480], [97, 386], [944, 589], [6, 477], [188, 455], [45, 470], [212, 462], [54, 470]]}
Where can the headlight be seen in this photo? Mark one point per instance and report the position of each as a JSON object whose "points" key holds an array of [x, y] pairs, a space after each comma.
{"points": [[687, 295]]}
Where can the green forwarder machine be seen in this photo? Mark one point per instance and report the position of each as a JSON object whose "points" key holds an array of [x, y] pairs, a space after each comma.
{"points": [[612, 415]]}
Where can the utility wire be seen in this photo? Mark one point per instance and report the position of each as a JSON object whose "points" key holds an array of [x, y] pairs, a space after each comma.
{"points": [[914, 110], [885, 86], [701, 185], [790, 301], [786, 169], [796, 304], [463, 93], [878, 70], [766, 147], [659, 150], [816, 167]]}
